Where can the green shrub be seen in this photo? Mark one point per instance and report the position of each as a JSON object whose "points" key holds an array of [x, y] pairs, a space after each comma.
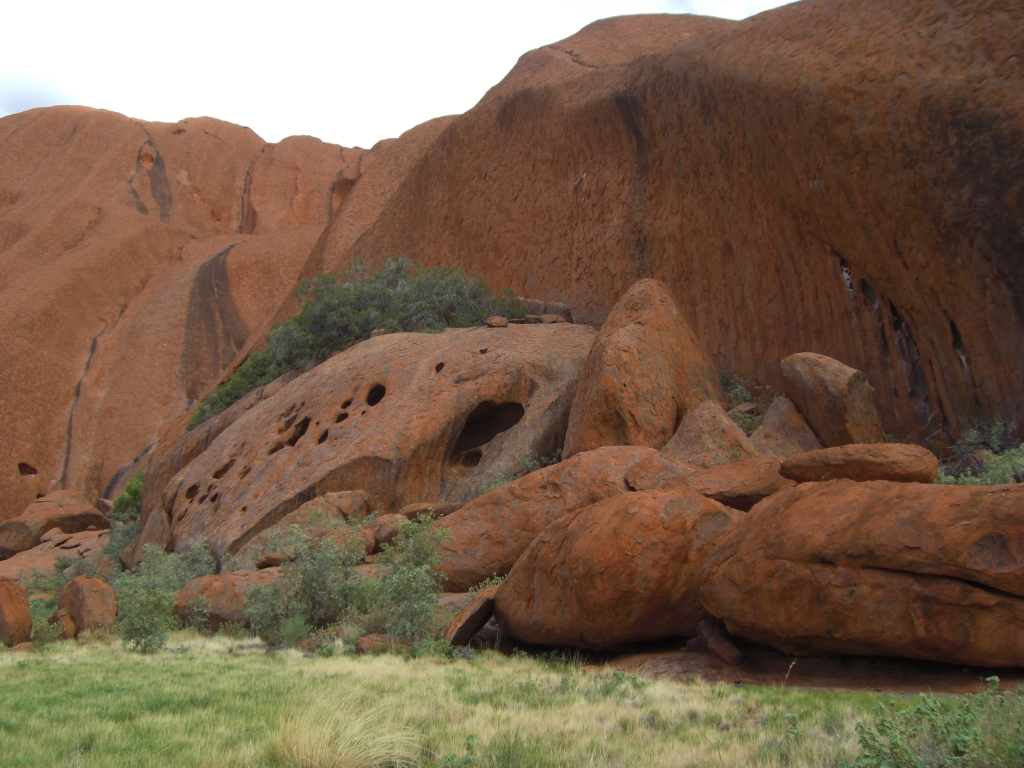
{"points": [[43, 632], [408, 584], [983, 456], [120, 536], [336, 315], [318, 587], [491, 581], [985, 729], [527, 464], [128, 505], [145, 597]]}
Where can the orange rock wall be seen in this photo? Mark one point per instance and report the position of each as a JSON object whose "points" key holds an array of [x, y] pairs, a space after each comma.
{"points": [[841, 178]]}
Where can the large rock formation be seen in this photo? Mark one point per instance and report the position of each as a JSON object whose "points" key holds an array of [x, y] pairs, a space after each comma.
{"points": [[645, 371], [489, 534], [902, 569], [844, 178], [625, 570], [136, 260], [405, 417]]}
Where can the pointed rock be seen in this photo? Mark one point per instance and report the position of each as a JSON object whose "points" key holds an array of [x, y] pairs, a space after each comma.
{"points": [[707, 437], [784, 431]]}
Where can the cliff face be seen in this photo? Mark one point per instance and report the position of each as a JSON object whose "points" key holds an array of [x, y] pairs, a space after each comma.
{"points": [[135, 261], [834, 177]]}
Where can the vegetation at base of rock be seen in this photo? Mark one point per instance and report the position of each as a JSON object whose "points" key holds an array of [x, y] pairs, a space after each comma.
{"points": [[320, 589], [984, 455], [527, 464], [43, 632], [741, 391], [490, 581], [218, 701], [984, 729], [145, 597], [398, 296]]}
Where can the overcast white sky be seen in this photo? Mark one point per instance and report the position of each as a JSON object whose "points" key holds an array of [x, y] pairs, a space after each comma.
{"points": [[346, 72]]}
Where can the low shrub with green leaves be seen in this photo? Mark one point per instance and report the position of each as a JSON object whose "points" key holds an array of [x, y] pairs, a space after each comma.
{"points": [[985, 455], [984, 729], [527, 464], [318, 588], [128, 505], [742, 391], [399, 295], [145, 597]]}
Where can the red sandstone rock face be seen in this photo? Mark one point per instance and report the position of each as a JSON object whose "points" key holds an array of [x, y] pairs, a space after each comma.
{"points": [[902, 569], [136, 259], [490, 533], [644, 372], [835, 399], [627, 569], [797, 179], [62, 509], [15, 614], [405, 417], [90, 603], [882, 461]]}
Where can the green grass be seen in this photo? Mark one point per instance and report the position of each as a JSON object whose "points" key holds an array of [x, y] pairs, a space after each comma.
{"points": [[223, 702]]}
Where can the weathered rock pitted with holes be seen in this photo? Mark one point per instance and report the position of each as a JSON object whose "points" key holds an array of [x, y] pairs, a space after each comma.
{"points": [[491, 532], [645, 371], [627, 569], [903, 569], [87, 545], [406, 417]]}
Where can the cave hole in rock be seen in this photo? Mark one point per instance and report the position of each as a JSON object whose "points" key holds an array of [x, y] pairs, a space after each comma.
{"points": [[341, 418], [323, 436], [376, 394], [486, 422], [275, 448], [215, 497], [203, 498], [27, 469], [245, 471], [347, 403], [299, 431], [439, 367], [192, 491], [483, 351], [223, 470], [39, 495]]}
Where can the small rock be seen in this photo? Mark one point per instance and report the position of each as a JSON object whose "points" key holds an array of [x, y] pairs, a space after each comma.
{"points": [[60, 509], [497, 321], [381, 644], [707, 437], [836, 400], [784, 431], [272, 560], [876, 461], [472, 618], [385, 529], [718, 642]]}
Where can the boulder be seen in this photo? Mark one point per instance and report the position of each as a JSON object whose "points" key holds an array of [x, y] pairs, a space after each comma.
{"points": [[497, 321], [878, 568], [625, 570], [437, 509], [490, 533], [742, 484], [707, 437], [272, 560], [385, 529], [87, 545], [472, 617], [60, 509], [403, 417], [784, 431], [382, 644], [90, 604], [225, 593], [352, 505], [659, 473], [645, 370], [455, 600], [875, 461], [15, 614], [67, 626], [836, 400]]}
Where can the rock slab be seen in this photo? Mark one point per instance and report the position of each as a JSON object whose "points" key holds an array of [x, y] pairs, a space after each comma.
{"points": [[60, 509], [880, 461], [472, 617]]}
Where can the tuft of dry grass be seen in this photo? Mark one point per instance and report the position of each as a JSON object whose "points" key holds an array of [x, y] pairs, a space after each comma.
{"points": [[334, 730]]}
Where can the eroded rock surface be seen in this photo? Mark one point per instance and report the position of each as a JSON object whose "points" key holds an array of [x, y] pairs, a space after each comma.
{"points": [[491, 532], [901, 569], [405, 417], [625, 570], [645, 370], [87, 545]]}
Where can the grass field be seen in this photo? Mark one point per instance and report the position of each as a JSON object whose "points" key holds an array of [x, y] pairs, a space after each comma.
{"points": [[222, 702]]}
